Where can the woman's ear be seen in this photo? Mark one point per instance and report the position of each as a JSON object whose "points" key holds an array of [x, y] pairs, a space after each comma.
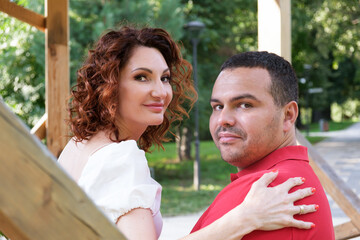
{"points": [[291, 112]]}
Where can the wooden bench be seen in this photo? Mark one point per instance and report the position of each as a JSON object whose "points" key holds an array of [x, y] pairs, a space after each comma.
{"points": [[38, 200]]}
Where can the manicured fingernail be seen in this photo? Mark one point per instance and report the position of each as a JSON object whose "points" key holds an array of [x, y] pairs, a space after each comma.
{"points": [[313, 190], [275, 170], [312, 225], [303, 179], [316, 207]]}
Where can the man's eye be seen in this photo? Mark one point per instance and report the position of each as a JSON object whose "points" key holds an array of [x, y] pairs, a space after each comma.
{"points": [[140, 78], [245, 105], [217, 107]]}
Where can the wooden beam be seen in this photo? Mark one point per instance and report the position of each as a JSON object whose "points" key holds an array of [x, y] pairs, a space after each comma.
{"points": [[334, 186], [39, 200], [274, 27], [39, 129], [57, 73], [23, 14], [345, 231]]}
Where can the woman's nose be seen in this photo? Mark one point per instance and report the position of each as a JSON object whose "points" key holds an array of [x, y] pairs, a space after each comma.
{"points": [[158, 90]]}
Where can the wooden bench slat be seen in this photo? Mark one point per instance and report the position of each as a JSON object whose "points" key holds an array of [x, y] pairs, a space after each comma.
{"points": [[38, 199]]}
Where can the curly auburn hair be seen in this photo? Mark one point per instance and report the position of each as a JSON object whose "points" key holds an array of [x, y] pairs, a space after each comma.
{"points": [[94, 99]]}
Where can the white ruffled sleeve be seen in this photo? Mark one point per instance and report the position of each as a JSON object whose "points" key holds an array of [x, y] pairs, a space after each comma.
{"points": [[117, 178]]}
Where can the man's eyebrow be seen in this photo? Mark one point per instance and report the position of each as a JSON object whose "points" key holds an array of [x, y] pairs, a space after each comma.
{"points": [[148, 70], [237, 98], [214, 100], [244, 96]]}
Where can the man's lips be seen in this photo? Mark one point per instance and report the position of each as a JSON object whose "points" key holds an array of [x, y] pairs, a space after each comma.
{"points": [[227, 137]]}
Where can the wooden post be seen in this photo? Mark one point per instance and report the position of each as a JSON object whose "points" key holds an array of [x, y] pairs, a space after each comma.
{"points": [[23, 14], [38, 200], [274, 27], [57, 73], [39, 129]]}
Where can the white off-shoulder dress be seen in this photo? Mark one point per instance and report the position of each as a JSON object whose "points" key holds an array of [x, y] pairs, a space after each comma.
{"points": [[117, 178]]}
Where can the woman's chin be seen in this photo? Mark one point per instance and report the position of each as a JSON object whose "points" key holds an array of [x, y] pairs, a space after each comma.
{"points": [[157, 122]]}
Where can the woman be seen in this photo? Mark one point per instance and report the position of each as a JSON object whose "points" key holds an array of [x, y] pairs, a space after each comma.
{"points": [[130, 89]]}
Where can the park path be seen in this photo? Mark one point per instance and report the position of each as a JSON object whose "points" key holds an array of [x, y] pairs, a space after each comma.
{"points": [[341, 150]]}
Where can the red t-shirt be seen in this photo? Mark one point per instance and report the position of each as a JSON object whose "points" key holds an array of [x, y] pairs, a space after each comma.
{"points": [[291, 161]]}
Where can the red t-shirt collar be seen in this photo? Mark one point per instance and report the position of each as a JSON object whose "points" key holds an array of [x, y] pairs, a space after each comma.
{"points": [[281, 154]]}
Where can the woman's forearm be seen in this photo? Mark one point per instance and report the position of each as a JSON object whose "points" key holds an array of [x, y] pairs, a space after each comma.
{"points": [[234, 225]]}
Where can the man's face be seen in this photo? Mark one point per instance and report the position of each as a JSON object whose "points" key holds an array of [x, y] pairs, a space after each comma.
{"points": [[245, 124]]}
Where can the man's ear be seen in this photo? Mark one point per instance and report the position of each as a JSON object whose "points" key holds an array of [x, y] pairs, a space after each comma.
{"points": [[291, 112]]}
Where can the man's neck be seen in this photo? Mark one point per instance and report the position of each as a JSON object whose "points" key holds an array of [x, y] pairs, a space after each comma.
{"points": [[288, 140]]}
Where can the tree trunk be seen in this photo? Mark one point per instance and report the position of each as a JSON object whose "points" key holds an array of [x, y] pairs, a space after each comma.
{"points": [[321, 114], [183, 143], [299, 124]]}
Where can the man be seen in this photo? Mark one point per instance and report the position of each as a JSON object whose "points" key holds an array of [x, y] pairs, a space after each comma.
{"points": [[254, 102]]}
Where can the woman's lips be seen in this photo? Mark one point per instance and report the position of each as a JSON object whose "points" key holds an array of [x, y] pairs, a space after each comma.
{"points": [[156, 107]]}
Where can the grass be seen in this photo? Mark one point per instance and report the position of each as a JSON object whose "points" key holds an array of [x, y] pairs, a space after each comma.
{"points": [[315, 139], [333, 126], [178, 196]]}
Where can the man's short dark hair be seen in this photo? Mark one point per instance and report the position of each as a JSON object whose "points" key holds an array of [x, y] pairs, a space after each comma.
{"points": [[284, 86]]}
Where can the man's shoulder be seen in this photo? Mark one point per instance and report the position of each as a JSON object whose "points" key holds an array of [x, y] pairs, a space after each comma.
{"points": [[243, 182]]}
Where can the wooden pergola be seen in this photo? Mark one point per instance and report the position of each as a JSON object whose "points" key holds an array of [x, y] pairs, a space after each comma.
{"points": [[274, 35], [55, 25], [39, 201]]}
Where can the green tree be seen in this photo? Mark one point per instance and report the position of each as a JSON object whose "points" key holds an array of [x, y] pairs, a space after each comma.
{"points": [[22, 84], [326, 36], [231, 27]]}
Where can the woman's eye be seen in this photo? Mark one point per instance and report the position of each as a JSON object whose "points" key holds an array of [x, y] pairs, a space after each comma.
{"points": [[166, 79], [140, 78]]}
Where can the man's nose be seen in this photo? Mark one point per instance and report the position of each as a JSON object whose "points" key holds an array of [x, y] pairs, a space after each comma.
{"points": [[227, 117]]}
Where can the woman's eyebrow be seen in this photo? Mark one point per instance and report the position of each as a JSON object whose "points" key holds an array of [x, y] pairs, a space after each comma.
{"points": [[147, 70], [143, 69]]}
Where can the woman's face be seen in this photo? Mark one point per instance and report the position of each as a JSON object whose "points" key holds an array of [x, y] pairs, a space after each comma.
{"points": [[145, 91]]}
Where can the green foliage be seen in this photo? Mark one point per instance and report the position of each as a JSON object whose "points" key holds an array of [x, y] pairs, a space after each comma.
{"points": [[231, 27], [326, 36], [22, 85], [349, 110]]}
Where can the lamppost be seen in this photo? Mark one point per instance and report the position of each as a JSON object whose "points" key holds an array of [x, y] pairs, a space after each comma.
{"points": [[195, 28], [306, 81]]}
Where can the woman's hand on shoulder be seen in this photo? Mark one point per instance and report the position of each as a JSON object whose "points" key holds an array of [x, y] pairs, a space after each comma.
{"points": [[273, 208]]}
